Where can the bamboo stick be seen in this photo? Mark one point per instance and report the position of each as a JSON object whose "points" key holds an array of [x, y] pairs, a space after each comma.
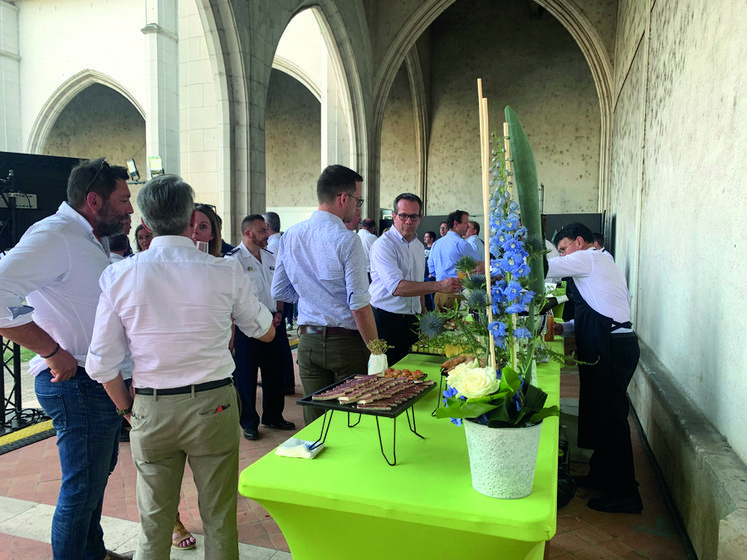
{"points": [[485, 162], [507, 146]]}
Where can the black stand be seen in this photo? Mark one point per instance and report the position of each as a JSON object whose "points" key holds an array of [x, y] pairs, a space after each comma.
{"points": [[409, 412], [11, 402]]}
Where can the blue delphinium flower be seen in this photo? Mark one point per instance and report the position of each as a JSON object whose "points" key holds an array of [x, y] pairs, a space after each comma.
{"points": [[526, 297], [516, 308], [448, 393], [456, 421], [512, 291], [522, 332]]}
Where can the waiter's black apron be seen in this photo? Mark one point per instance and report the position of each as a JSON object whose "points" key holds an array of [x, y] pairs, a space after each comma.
{"points": [[593, 335]]}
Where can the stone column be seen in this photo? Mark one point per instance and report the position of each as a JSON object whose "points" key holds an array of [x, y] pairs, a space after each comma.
{"points": [[162, 120], [10, 80]]}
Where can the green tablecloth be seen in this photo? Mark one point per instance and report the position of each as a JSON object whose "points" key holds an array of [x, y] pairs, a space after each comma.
{"points": [[349, 503]]}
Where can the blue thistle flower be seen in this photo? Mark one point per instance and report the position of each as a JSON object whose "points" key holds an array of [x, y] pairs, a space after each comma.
{"points": [[431, 324], [477, 299]]}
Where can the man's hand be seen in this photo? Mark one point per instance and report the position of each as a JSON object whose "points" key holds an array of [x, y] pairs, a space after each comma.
{"points": [[62, 365], [557, 328], [277, 318], [449, 286]]}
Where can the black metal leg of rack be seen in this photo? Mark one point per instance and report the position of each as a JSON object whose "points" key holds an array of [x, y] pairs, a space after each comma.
{"points": [[326, 423]]}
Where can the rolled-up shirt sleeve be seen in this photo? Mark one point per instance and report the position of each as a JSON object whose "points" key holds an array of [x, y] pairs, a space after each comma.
{"points": [[356, 274], [30, 265], [109, 342], [384, 261], [577, 265]]}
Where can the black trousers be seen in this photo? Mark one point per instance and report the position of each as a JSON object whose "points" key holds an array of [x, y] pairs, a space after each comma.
{"points": [[399, 331], [603, 415], [249, 356]]}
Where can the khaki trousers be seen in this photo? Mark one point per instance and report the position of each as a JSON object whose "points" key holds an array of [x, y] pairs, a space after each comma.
{"points": [[202, 428]]}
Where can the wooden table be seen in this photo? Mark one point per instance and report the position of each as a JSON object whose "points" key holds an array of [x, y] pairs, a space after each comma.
{"points": [[348, 503]]}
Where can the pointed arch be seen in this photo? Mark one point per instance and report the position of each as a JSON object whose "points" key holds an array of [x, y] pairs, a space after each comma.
{"points": [[63, 95], [567, 13]]}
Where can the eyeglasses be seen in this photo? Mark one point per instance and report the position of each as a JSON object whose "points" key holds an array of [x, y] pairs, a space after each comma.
{"points": [[358, 200], [412, 217], [96, 176]]}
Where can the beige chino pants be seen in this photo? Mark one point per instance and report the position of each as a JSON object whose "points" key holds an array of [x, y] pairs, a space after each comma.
{"points": [[202, 428]]}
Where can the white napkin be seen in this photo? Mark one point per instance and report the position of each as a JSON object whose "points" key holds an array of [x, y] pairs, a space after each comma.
{"points": [[294, 447]]}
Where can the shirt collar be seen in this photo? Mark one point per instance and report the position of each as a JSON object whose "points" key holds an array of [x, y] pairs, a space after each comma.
{"points": [[328, 217], [172, 241], [69, 212], [394, 232]]}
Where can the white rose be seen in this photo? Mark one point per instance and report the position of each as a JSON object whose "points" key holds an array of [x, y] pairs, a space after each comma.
{"points": [[472, 381]]}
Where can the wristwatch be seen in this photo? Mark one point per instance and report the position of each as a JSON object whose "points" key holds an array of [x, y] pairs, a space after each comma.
{"points": [[125, 412]]}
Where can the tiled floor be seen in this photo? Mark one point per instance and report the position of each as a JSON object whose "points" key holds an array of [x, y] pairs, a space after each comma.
{"points": [[30, 476]]}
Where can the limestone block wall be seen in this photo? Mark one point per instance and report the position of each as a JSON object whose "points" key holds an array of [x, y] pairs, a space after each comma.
{"points": [[398, 165], [293, 143], [532, 64], [679, 155], [201, 119]]}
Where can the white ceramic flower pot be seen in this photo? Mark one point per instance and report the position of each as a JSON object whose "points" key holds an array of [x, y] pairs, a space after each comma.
{"points": [[502, 460]]}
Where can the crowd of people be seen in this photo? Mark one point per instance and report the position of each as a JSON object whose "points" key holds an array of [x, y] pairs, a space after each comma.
{"points": [[163, 345]]}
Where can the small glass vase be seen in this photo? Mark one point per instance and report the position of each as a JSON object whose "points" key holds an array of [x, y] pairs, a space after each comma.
{"points": [[502, 460]]}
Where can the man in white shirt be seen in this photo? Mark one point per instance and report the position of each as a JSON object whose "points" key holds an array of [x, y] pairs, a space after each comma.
{"points": [[321, 265], [367, 233], [608, 348], [172, 306], [472, 237], [273, 231], [397, 278], [251, 354], [55, 268]]}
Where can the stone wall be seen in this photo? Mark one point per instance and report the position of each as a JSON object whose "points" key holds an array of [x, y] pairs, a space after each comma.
{"points": [[678, 162], [533, 65]]}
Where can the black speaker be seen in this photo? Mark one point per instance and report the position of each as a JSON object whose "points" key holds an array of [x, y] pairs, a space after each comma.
{"points": [[32, 187]]}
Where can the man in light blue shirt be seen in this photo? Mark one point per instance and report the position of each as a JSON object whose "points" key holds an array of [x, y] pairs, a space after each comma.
{"points": [[397, 273], [448, 250], [321, 265]]}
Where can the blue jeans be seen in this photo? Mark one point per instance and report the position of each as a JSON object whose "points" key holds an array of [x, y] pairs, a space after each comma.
{"points": [[87, 428]]}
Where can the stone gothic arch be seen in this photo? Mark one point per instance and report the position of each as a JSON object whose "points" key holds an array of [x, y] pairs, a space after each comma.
{"points": [[566, 12], [62, 96]]}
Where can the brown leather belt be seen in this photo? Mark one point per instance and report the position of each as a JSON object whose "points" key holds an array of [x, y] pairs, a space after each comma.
{"points": [[315, 329]]}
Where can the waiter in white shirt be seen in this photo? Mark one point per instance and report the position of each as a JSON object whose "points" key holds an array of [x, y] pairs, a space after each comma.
{"points": [[172, 305], [251, 354], [397, 273], [609, 349]]}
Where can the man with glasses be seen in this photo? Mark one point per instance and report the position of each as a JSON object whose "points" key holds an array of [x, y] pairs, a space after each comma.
{"points": [[607, 348], [55, 268], [397, 273], [447, 251], [321, 265]]}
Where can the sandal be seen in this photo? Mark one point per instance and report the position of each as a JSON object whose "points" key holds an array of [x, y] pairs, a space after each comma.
{"points": [[181, 538]]}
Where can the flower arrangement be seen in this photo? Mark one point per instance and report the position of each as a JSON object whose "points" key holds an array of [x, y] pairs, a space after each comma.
{"points": [[502, 395]]}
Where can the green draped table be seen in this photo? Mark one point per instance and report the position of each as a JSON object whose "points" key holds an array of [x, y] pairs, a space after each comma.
{"points": [[349, 503]]}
